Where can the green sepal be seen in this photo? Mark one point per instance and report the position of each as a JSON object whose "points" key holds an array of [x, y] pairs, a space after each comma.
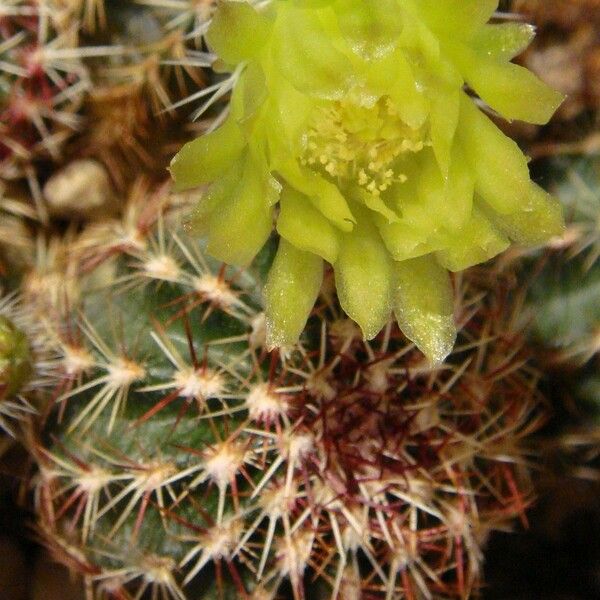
{"points": [[423, 306], [290, 293]]}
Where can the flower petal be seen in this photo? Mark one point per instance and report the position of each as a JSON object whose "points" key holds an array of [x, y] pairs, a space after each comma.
{"points": [[512, 90], [423, 305], [404, 242], [501, 172], [371, 29], [207, 157], [475, 243], [241, 224], [363, 277], [393, 76], [305, 56], [376, 204], [216, 194], [463, 16], [451, 199], [251, 31], [502, 41], [290, 293], [301, 224], [325, 196], [287, 119], [539, 220], [444, 116], [249, 95]]}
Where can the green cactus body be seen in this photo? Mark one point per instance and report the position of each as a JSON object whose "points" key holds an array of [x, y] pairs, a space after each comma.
{"points": [[186, 461], [565, 295], [18, 371], [15, 358], [350, 128]]}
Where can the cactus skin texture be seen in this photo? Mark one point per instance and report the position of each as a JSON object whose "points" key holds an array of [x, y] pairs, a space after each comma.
{"points": [[352, 118], [179, 459]]}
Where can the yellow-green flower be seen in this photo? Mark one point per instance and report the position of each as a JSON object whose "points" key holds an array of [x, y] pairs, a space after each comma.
{"points": [[352, 129]]}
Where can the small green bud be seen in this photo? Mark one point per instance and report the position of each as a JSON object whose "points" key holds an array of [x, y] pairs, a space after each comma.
{"points": [[353, 117], [15, 358]]}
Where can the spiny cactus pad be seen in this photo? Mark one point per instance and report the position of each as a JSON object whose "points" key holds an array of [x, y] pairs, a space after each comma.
{"points": [[350, 126], [181, 459]]}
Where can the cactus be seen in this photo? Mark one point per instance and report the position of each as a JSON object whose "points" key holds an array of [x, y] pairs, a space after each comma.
{"points": [[17, 362], [41, 92], [563, 297], [16, 236], [567, 313], [178, 457], [79, 80]]}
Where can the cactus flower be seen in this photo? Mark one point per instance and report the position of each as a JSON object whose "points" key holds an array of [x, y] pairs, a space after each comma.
{"points": [[356, 128]]}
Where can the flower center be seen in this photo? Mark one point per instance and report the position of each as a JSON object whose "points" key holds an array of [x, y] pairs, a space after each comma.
{"points": [[362, 145]]}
